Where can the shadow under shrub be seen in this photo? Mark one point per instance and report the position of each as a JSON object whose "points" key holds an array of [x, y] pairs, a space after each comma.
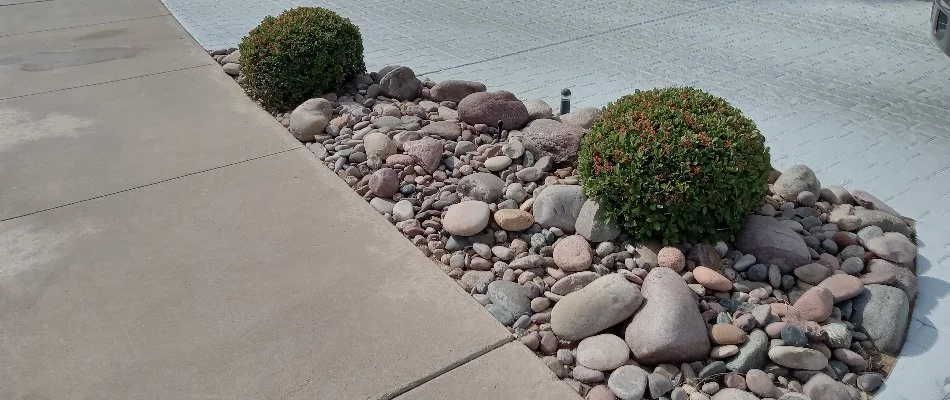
{"points": [[675, 164], [301, 53]]}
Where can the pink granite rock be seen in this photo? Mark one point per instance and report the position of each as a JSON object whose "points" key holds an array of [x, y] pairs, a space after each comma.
{"points": [[672, 258], [815, 304], [843, 286], [573, 253]]}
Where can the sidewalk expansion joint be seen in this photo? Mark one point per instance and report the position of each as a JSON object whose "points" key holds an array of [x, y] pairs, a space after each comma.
{"points": [[84, 26], [111, 81], [449, 368], [154, 183], [25, 2]]}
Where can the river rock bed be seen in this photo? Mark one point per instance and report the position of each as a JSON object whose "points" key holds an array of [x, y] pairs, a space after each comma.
{"points": [[811, 300]]}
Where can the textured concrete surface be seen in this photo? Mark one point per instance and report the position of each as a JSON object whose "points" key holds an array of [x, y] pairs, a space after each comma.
{"points": [[853, 88], [161, 237]]}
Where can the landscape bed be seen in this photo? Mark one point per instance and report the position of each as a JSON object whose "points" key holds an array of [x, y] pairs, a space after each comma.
{"points": [[810, 300]]}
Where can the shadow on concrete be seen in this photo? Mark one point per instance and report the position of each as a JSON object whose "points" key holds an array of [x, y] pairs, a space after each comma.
{"points": [[930, 291]]}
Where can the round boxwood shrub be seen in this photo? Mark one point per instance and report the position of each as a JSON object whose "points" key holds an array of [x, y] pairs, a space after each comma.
{"points": [[300, 54], [675, 164]]}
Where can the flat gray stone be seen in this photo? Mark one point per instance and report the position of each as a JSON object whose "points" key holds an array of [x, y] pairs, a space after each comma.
{"points": [[511, 296]]}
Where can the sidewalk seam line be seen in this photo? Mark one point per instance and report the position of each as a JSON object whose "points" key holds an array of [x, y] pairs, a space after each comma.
{"points": [[451, 367], [588, 36], [82, 26], [25, 2], [151, 184], [105, 82]]}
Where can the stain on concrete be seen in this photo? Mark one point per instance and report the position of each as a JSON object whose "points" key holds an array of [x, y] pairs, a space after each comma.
{"points": [[21, 126], [103, 34], [50, 60], [25, 247]]}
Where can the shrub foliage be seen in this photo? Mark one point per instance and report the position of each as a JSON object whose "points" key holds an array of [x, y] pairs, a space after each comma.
{"points": [[675, 164], [300, 54]]}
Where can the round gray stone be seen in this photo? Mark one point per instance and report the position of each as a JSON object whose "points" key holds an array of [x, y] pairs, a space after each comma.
{"points": [[482, 186], [797, 179], [558, 206], [628, 382]]}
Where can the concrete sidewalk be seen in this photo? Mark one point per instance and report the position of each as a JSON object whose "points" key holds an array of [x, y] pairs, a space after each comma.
{"points": [[161, 237]]}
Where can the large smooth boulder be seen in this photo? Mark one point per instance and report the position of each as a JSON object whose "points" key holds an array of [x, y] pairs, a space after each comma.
{"points": [[455, 90], [797, 179], [310, 119], [669, 327], [593, 225], [547, 137], [773, 242], [482, 186], [603, 303], [884, 312], [583, 117], [490, 107], [400, 83], [558, 206]]}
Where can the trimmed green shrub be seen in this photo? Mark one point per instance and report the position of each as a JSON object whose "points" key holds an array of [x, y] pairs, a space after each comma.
{"points": [[302, 53], [675, 164]]}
